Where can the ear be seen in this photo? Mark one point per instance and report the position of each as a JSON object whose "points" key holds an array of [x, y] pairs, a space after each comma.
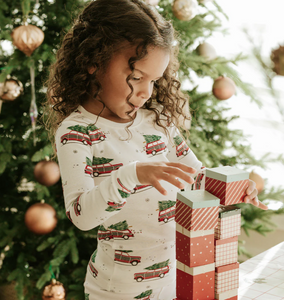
{"points": [[91, 70]]}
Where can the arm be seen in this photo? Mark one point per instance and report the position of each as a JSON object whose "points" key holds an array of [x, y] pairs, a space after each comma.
{"points": [[186, 156], [87, 205]]}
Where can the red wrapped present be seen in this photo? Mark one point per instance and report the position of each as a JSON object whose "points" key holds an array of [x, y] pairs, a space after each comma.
{"points": [[194, 248], [195, 283], [227, 183], [229, 222], [226, 278], [226, 251], [197, 210]]}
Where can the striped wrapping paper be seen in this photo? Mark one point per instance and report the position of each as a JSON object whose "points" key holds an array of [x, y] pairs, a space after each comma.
{"points": [[197, 218], [229, 193]]}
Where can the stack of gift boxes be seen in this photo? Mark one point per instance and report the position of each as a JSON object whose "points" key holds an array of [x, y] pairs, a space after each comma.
{"points": [[207, 229]]}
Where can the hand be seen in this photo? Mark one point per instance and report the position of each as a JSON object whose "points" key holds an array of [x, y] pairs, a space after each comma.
{"points": [[152, 173], [252, 196]]}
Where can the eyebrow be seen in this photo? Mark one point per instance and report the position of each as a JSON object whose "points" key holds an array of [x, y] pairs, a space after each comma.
{"points": [[144, 74]]}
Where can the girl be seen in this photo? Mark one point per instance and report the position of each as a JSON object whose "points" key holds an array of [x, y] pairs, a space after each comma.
{"points": [[114, 91]]}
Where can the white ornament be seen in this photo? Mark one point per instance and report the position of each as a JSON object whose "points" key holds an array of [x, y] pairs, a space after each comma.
{"points": [[185, 10], [207, 51]]}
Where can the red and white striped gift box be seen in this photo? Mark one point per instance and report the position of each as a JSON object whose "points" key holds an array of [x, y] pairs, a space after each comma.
{"points": [[226, 278], [227, 183], [226, 251], [197, 210]]}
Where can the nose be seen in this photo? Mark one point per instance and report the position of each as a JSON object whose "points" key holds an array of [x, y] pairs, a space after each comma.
{"points": [[145, 90]]}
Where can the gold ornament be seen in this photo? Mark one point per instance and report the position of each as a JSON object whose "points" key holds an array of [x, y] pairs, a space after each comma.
{"points": [[207, 51], [223, 88], [11, 89], [277, 57], [40, 218], [27, 38], [259, 181], [54, 291], [185, 10], [47, 172]]}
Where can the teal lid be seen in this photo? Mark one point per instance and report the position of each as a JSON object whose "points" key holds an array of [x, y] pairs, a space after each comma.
{"points": [[198, 199], [228, 211], [227, 174]]}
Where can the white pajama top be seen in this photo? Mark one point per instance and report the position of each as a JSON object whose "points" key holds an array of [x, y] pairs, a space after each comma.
{"points": [[136, 228]]}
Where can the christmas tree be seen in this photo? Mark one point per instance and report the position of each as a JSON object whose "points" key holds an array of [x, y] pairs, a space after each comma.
{"points": [[28, 260]]}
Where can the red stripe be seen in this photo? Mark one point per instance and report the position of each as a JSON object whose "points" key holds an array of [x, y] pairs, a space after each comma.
{"points": [[196, 219], [205, 218], [216, 187]]}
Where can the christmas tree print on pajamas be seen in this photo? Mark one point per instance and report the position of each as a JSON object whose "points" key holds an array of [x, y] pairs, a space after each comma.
{"points": [[158, 270], [87, 135], [167, 210], [93, 270], [181, 146], [144, 296], [100, 166], [124, 256], [119, 230], [153, 144]]}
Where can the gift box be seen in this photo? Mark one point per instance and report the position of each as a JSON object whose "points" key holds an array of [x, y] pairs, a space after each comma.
{"points": [[195, 283], [229, 295], [229, 222], [226, 251], [227, 183], [194, 248], [226, 278], [197, 210]]}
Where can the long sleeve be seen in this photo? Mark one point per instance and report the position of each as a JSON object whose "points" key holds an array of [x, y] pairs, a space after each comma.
{"points": [[89, 205], [179, 151]]}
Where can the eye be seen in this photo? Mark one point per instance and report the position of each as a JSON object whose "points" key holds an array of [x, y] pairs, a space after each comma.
{"points": [[136, 78]]}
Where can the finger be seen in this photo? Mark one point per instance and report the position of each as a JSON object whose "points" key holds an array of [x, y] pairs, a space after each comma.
{"points": [[255, 202], [183, 167], [176, 172], [252, 195], [173, 180], [262, 206], [251, 187], [159, 188]]}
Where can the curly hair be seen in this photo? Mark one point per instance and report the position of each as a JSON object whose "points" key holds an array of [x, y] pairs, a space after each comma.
{"points": [[102, 29]]}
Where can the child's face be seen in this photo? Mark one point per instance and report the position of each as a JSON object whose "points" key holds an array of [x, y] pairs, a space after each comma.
{"points": [[115, 88]]}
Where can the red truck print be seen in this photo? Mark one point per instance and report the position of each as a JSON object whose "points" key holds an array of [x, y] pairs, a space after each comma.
{"points": [[69, 216], [166, 214], [112, 233], [123, 188], [77, 207], [151, 274], [182, 149], [96, 135], [89, 170], [122, 256], [116, 206], [76, 136], [93, 270], [154, 147], [140, 187], [105, 168]]}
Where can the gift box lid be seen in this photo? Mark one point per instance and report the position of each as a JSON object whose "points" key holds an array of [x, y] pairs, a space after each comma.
{"points": [[227, 174], [227, 268], [228, 211], [198, 199]]}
